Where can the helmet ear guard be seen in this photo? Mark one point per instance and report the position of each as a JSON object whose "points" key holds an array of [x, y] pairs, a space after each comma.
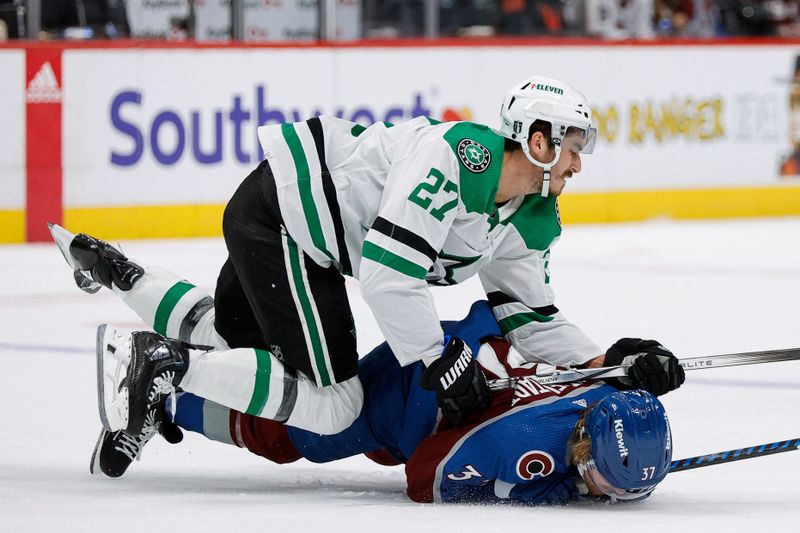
{"points": [[546, 167]]}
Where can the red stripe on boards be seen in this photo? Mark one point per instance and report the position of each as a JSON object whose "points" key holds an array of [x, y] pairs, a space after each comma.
{"points": [[43, 98]]}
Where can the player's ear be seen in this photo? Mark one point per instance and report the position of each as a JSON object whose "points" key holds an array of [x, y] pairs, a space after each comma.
{"points": [[537, 143]]}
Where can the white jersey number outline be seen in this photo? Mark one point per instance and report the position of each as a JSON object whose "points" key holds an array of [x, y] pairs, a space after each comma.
{"points": [[468, 473]]}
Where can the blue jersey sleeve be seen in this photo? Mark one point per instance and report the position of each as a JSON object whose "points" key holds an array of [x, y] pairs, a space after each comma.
{"points": [[553, 490], [556, 490]]}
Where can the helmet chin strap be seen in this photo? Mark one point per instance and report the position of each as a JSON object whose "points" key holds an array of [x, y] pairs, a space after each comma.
{"points": [[544, 166]]}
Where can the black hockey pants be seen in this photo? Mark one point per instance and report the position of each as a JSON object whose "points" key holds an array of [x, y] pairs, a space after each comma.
{"points": [[270, 295]]}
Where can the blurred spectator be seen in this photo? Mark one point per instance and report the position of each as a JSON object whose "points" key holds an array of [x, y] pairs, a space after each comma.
{"points": [[747, 18], [9, 23], [178, 29], [530, 17], [389, 19], [620, 19], [607, 19], [118, 14], [704, 20], [672, 17], [84, 18], [469, 18], [687, 18], [513, 16], [785, 16], [395, 18], [790, 166]]}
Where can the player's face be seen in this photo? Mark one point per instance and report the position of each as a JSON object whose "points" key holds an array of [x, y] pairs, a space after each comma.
{"points": [[598, 485], [593, 489], [569, 163]]}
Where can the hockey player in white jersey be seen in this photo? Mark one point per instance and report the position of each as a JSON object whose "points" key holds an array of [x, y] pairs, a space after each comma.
{"points": [[398, 207]]}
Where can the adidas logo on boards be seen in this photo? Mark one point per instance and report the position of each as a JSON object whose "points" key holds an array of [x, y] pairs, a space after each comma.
{"points": [[43, 88]]}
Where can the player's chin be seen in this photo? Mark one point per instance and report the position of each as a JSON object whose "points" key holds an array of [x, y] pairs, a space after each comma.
{"points": [[556, 188]]}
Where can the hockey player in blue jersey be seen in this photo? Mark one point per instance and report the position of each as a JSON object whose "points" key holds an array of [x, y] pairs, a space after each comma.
{"points": [[536, 444]]}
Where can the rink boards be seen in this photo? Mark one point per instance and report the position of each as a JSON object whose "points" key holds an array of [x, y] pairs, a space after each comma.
{"points": [[12, 146], [150, 140]]}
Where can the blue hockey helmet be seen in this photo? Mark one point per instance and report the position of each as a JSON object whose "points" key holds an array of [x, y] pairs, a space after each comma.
{"points": [[631, 444]]}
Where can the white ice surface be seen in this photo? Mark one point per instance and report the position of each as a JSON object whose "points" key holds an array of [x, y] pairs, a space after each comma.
{"points": [[701, 288]]}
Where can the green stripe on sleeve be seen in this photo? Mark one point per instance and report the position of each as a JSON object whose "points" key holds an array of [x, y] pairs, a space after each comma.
{"points": [[304, 187], [395, 262], [308, 313], [509, 324], [167, 305], [261, 387]]}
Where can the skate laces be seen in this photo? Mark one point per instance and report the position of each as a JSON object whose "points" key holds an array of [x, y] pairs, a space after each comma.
{"points": [[132, 446], [162, 385]]}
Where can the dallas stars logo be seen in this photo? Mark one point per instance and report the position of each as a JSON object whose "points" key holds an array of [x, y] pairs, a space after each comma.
{"points": [[474, 155]]}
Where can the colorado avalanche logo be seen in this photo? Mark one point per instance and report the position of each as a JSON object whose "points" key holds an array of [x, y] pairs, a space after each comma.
{"points": [[535, 463]]}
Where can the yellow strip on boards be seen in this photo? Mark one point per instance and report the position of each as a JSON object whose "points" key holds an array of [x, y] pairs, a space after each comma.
{"points": [[146, 222], [12, 226], [631, 206], [162, 221]]}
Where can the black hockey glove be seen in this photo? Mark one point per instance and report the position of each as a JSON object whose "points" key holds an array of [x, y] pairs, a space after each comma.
{"points": [[652, 367], [459, 384]]}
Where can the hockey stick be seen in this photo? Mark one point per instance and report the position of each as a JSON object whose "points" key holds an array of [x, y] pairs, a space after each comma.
{"points": [[719, 458], [572, 375]]}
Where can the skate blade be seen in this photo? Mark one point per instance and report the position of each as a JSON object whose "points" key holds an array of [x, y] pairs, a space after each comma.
{"points": [[63, 239], [94, 463], [111, 398]]}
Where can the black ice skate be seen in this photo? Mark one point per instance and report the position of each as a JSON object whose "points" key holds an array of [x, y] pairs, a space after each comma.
{"points": [[95, 263], [136, 373], [116, 450]]}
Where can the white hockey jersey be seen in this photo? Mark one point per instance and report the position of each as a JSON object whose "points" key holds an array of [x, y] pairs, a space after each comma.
{"points": [[407, 206]]}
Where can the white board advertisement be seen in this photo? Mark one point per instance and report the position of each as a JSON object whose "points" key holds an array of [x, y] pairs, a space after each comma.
{"points": [[179, 126], [12, 134], [175, 126]]}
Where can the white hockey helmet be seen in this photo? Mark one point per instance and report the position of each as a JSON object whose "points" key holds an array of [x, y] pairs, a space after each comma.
{"points": [[552, 101]]}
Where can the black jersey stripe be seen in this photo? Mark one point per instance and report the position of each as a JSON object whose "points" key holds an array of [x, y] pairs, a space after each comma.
{"points": [[409, 238], [315, 125], [498, 298]]}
